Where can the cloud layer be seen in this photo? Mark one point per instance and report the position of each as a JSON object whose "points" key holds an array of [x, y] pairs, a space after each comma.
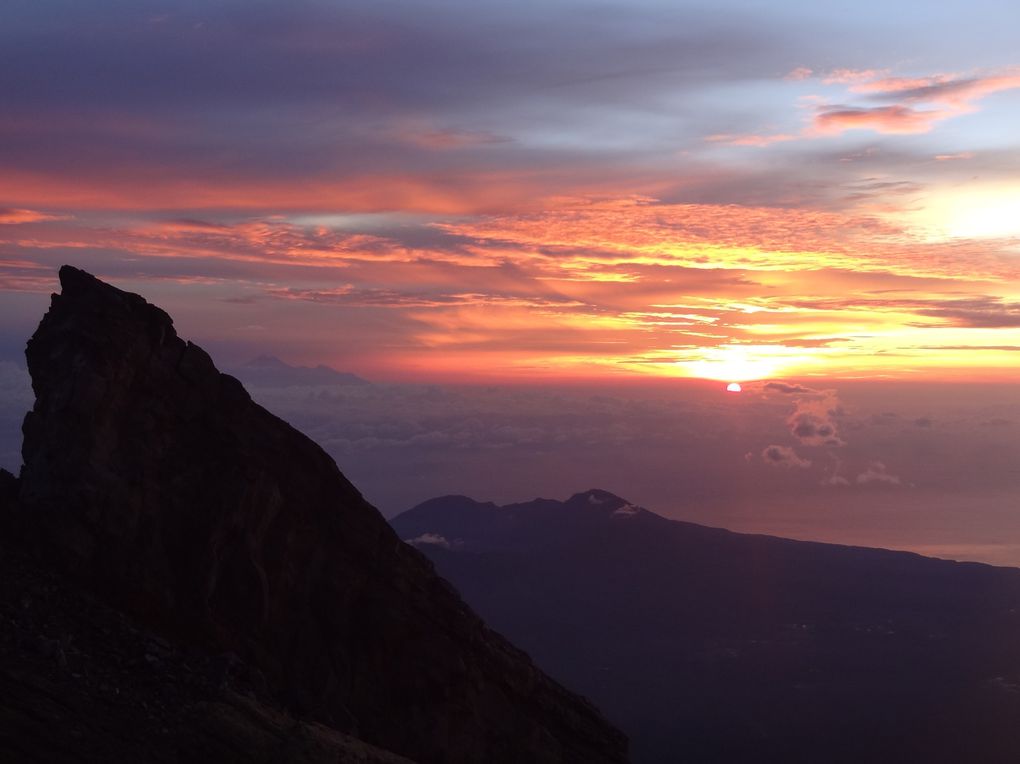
{"points": [[527, 191]]}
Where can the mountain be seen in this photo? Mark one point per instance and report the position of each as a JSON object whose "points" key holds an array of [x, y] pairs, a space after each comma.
{"points": [[711, 646], [80, 682], [270, 371], [155, 484]]}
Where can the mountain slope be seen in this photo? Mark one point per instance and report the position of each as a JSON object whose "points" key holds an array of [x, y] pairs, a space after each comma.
{"points": [[712, 646], [156, 481]]}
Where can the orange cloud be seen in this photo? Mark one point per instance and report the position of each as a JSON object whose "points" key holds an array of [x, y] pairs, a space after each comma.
{"points": [[583, 287], [9, 216], [469, 193], [579, 234]]}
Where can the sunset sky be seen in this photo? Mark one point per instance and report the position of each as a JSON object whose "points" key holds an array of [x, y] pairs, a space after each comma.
{"points": [[549, 233], [452, 191]]}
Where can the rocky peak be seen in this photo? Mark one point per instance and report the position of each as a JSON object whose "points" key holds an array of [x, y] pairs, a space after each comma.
{"points": [[266, 362], [156, 480], [596, 497]]}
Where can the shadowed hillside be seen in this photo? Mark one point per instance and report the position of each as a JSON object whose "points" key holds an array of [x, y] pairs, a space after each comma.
{"points": [[712, 646]]}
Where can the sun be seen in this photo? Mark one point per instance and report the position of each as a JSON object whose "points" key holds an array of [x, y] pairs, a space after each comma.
{"points": [[733, 387]]}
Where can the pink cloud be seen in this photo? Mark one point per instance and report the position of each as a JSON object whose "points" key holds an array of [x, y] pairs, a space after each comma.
{"points": [[897, 84], [890, 120], [800, 73], [848, 76], [450, 139], [949, 90], [877, 474], [9, 216], [750, 140], [782, 456], [922, 101]]}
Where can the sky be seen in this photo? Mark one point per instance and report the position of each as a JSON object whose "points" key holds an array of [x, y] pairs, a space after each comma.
{"points": [[733, 190], [536, 195]]}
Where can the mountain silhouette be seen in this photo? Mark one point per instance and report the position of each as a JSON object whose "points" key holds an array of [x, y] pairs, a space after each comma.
{"points": [[154, 483], [711, 646], [270, 371]]}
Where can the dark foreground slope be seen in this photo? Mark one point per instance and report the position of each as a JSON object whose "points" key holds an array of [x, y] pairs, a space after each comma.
{"points": [[157, 482], [711, 646], [79, 682]]}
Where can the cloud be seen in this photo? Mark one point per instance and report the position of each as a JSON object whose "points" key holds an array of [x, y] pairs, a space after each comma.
{"points": [[627, 510], [787, 389], [11, 216], [978, 312], [891, 120], [782, 456], [625, 232], [505, 104], [597, 285], [1000, 348], [389, 298], [451, 138], [429, 539], [952, 91], [852, 76], [750, 139], [813, 421], [877, 474], [919, 102]]}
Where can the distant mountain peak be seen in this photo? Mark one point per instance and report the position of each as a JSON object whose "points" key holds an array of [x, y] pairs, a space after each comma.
{"points": [[267, 362], [270, 371], [460, 523], [456, 503], [597, 497], [714, 646]]}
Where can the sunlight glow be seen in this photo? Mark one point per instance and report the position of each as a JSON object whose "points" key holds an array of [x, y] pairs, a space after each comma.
{"points": [[740, 363], [986, 212]]}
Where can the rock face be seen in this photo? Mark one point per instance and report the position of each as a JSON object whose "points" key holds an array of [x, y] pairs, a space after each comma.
{"points": [[159, 482], [79, 682]]}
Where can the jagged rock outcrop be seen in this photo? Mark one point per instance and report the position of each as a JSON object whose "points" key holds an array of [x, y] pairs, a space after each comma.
{"points": [[159, 482], [8, 490]]}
